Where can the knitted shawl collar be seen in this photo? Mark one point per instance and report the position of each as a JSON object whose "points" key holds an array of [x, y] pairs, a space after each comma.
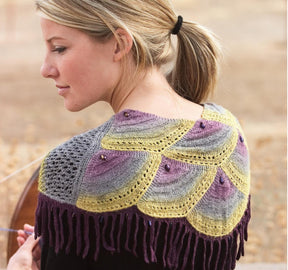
{"points": [[172, 191]]}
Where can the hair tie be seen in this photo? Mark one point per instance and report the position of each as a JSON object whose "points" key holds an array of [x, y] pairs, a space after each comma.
{"points": [[177, 26]]}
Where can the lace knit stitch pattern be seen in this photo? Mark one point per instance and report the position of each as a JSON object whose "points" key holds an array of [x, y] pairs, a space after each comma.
{"points": [[167, 168]]}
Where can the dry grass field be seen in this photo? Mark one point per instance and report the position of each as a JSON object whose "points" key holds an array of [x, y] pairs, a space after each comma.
{"points": [[252, 85]]}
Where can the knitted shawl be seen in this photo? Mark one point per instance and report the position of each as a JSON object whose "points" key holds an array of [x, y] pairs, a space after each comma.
{"points": [[171, 191]]}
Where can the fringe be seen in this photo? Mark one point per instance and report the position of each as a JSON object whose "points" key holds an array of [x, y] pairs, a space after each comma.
{"points": [[171, 242]]}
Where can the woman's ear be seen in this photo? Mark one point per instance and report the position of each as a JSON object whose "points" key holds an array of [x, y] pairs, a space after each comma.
{"points": [[123, 44]]}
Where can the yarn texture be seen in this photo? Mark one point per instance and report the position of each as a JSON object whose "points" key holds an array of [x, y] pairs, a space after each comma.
{"points": [[172, 191]]}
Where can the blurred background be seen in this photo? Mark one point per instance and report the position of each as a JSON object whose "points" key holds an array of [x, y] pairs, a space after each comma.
{"points": [[252, 85]]}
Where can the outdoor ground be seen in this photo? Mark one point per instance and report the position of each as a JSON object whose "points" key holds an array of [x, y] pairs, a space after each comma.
{"points": [[252, 86]]}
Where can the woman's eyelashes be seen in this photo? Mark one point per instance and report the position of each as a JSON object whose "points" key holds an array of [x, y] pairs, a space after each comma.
{"points": [[59, 49]]}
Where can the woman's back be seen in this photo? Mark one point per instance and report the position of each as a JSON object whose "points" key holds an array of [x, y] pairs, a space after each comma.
{"points": [[174, 193]]}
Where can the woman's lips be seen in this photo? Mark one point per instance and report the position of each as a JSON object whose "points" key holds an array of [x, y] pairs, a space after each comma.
{"points": [[62, 90]]}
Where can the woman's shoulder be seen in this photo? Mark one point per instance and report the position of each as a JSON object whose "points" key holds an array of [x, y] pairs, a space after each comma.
{"points": [[216, 112], [64, 164], [82, 142]]}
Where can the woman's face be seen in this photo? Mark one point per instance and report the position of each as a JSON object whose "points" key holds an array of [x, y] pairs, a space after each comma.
{"points": [[83, 69]]}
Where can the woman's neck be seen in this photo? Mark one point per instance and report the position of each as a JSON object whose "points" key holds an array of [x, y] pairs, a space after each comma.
{"points": [[153, 94]]}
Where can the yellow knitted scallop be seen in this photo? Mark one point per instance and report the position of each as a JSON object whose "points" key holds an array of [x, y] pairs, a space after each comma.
{"points": [[227, 118], [214, 227], [179, 208], [156, 143], [240, 180], [199, 158], [127, 196]]}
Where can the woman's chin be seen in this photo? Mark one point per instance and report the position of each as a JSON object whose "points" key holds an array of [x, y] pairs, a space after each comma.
{"points": [[73, 107]]}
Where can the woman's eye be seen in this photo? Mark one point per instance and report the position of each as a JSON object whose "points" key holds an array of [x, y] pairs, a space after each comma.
{"points": [[59, 49]]}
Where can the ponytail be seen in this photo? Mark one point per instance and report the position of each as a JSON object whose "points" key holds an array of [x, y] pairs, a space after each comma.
{"points": [[195, 73]]}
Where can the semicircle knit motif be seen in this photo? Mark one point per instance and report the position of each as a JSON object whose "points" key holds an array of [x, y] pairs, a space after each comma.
{"points": [[167, 168]]}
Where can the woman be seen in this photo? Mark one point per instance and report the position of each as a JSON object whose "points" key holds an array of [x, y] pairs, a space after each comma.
{"points": [[163, 184]]}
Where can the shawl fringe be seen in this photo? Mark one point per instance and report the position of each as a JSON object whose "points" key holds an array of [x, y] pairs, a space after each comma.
{"points": [[174, 243]]}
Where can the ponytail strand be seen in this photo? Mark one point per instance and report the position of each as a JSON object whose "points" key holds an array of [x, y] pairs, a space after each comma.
{"points": [[196, 70]]}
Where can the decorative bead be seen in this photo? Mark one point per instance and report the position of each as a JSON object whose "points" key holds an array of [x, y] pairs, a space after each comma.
{"points": [[126, 114], [241, 139], [150, 223], [167, 167], [202, 125], [221, 180], [103, 157]]}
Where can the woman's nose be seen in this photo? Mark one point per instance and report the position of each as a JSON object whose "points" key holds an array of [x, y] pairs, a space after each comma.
{"points": [[48, 71]]}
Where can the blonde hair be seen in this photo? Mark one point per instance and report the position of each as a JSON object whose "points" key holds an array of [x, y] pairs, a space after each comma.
{"points": [[149, 23]]}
